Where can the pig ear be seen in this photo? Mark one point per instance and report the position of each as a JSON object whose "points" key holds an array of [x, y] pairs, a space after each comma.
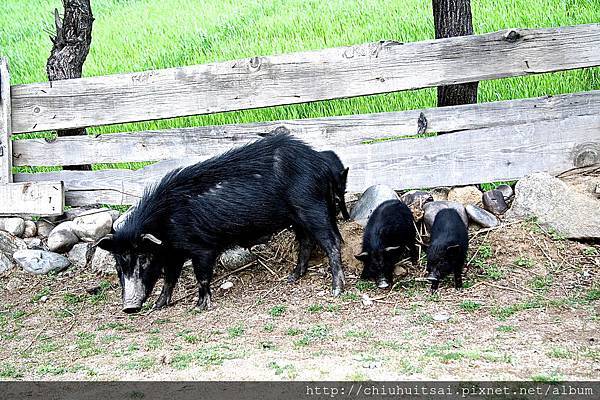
{"points": [[345, 174], [106, 243], [362, 256], [151, 238], [392, 248]]}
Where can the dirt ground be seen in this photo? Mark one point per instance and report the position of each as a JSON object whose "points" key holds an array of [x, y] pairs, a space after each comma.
{"points": [[530, 310]]}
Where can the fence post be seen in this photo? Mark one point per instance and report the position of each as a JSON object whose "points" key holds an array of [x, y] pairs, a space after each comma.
{"points": [[5, 125]]}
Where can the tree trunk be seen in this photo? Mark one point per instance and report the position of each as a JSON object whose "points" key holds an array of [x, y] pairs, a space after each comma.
{"points": [[453, 18], [69, 51]]}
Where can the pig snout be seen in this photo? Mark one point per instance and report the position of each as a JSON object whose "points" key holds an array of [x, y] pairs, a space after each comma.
{"points": [[134, 295], [382, 283]]}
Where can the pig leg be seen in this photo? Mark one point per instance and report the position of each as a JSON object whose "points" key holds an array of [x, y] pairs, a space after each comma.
{"points": [[458, 283], [203, 269], [172, 272], [306, 246], [414, 255], [331, 244]]}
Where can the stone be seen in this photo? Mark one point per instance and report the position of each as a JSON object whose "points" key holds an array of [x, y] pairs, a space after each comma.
{"points": [[81, 254], [104, 262], [30, 229], [400, 271], [465, 195], [414, 196], [44, 228], [34, 243], [556, 206], [40, 262], [5, 263], [93, 225], [366, 300], [440, 193], [13, 225], [114, 214], [506, 190], [481, 217], [226, 285], [236, 257], [10, 243], [369, 201], [441, 317], [431, 210], [62, 238], [493, 201]]}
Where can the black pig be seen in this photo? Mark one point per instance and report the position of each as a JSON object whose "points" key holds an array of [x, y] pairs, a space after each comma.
{"points": [[448, 248], [199, 211], [389, 233], [340, 177]]}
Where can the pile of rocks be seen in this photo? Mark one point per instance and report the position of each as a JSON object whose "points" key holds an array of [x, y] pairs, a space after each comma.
{"points": [[53, 244], [473, 205]]}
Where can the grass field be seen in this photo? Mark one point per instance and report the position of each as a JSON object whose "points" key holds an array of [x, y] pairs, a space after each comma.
{"points": [[136, 35]]}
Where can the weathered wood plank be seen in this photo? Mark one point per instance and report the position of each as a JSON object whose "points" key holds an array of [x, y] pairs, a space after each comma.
{"points": [[32, 198], [5, 124], [471, 156], [319, 132], [301, 77]]}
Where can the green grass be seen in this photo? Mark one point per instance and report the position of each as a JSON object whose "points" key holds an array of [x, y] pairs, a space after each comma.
{"points": [[148, 34], [470, 306], [277, 311]]}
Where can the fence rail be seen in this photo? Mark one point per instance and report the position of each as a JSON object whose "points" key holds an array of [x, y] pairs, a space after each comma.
{"points": [[332, 132], [471, 156], [301, 77]]}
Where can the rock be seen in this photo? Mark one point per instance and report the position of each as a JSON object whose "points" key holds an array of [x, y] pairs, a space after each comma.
{"points": [[236, 257], [5, 263], [44, 228], [481, 217], [10, 243], [13, 285], [441, 317], [419, 196], [30, 229], [62, 238], [119, 221], [465, 195], [81, 254], [40, 262], [114, 214], [34, 243], [369, 201], [43, 299], [506, 190], [431, 210], [400, 271], [226, 285], [493, 201], [415, 199], [13, 225], [93, 225], [440, 193], [104, 262], [572, 214], [366, 300]]}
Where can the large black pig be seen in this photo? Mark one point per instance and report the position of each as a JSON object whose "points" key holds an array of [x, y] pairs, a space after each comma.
{"points": [[448, 247], [390, 234], [199, 211], [340, 176]]}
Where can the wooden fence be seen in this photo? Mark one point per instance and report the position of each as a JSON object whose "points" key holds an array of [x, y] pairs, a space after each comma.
{"points": [[486, 142]]}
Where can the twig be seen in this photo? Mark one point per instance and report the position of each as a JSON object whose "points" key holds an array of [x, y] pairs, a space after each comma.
{"points": [[265, 265], [34, 339], [234, 271], [494, 228]]}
